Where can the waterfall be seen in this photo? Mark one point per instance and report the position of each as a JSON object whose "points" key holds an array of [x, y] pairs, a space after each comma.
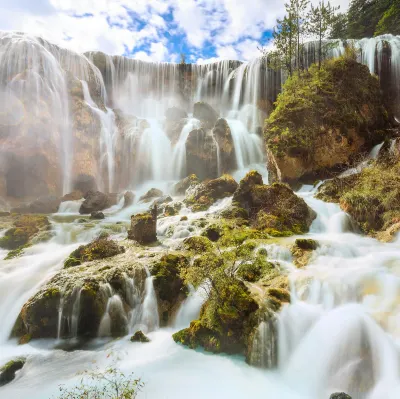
{"points": [[75, 313], [190, 308]]}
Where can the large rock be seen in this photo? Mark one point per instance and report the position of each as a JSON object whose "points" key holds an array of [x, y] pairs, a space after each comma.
{"points": [[7, 372], [189, 181], [340, 395], [48, 204], [206, 114], [223, 136], [94, 201], [201, 154], [273, 208], [129, 199], [202, 196], [73, 196], [144, 227], [324, 120], [151, 194]]}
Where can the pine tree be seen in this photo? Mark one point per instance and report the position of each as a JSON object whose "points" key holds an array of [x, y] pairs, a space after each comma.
{"points": [[320, 22]]}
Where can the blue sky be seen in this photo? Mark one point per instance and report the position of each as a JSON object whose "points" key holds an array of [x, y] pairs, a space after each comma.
{"points": [[152, 30]]}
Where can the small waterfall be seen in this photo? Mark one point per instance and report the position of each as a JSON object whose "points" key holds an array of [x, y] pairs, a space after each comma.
{"points": [[264, 348], [153, 154], [60, 317], [108, 135], [190, 308], [75, 314], [179, 152]]}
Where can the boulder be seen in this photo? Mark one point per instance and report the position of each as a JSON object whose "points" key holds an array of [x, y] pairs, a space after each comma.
{"points": [[324, 120], [206, 114], [201, 154], [189, 181], [100, 248], [74, 196], [139, 337], [144, 227], [168, 284], [151, 194], [274, 208], [97, 215], [165, 199], [84, 183], [47, 204], [129, 199], [201, 197], [223, 136], [94, 201], [7, 372]]}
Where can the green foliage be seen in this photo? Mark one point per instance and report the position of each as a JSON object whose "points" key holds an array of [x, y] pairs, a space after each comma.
{"points": [[108, 384], [340, 96], [390, 20]]}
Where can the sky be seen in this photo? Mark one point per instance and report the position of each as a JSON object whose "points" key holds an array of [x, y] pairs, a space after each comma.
{"points": [[151, 30]]}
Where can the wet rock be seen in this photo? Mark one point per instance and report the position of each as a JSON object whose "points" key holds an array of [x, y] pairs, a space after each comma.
{"points": [[129, 198], [168, 284], [48, 204], [223, 136], [25, 228], [94, 201], [202, 154], [97, 215], [273, 208], [84, 183], [7, 372], [213, 232], [205, 194], [74, 196], [206, 114], [165, 199], [99, 248], [312, 132], [151, 194], [144, 227], [306, 243], [139, 337], [339, 395], [189, 181]]}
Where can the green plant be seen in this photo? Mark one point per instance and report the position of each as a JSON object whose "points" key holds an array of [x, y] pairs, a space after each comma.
{"points": [[108, 384]]}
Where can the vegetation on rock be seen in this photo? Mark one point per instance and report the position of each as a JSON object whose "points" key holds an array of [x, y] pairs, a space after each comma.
{"points": [[139, 337], [100, 248], [7, 372], [144, 227], [323, 117]]}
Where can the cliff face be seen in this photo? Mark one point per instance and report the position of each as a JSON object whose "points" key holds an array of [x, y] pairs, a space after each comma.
{"points": [[323, 119]]}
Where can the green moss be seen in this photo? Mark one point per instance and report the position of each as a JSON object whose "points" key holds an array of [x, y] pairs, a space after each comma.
{"points": [[25, 227], [340, 96], [254, 271], [139, 337], [16, 253], [100, 248], [197, 244], [307, 244]]}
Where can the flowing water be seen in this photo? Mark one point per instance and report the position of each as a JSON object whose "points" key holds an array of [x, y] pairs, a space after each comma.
{"points": [[341, 331]]}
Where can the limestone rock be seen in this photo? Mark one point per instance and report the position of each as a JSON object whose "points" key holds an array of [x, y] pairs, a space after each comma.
{"points": [[223, 136], [189, 181], [73, 196], [129, 199], [94, 201], [48, 204], [85, 183], [206, 114], [97, 215], [144, 227], [151, 194]]}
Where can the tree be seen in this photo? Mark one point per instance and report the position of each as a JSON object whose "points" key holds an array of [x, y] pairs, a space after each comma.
{"points": [[339, 27], [320, 21], [390, 20]]}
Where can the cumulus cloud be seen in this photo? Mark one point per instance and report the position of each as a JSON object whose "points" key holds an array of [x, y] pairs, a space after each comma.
{"points": [[150, 29]]}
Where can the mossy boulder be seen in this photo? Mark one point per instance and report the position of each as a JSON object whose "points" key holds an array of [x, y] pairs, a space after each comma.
{"points": [[189, 181], [213, 232], [224, 328], [139, 337], [207, 193], [306, 243], [254, 271], [273, 208], [371, 197], [168, 284], [7, 372], [197, 244], [25, 227], [99, 248], [323, 119], [144, 227]]}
